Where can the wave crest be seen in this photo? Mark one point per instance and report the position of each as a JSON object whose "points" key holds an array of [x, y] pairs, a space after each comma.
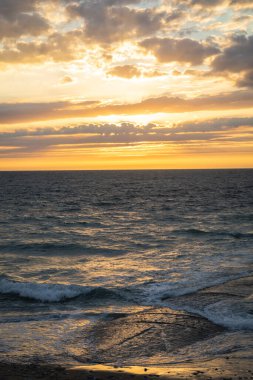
{"points": [[52, 292]]}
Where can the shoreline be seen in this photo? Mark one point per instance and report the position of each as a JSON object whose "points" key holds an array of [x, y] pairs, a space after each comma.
{"points": [[217, 369], [143, 335]]}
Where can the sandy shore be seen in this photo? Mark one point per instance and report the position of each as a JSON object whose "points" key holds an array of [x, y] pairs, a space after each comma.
{"points": [[219, 369]]}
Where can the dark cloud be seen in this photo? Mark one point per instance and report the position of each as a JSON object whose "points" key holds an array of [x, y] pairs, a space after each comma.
{"points": [[26, 24], [12, 112], [214, 125], [123, 134], [111, 21], [178, 50], [246, 80], [241, 2], [215, 3], [16, 112], [21, 17], [237, 57], [11, 9], [96, 129], [23, 112]]}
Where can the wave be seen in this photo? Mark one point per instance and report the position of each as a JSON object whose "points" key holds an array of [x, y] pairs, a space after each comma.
{"points": [[83, 223], [221, 306], [59, 248], [167, 290], [233, 315], [53, 292], [196, 231], [236, 315]]}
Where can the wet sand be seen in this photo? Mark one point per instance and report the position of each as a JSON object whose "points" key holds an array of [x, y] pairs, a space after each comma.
{"points": [[218, 369]]}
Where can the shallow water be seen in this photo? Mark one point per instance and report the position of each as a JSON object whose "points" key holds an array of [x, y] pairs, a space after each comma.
{"points": [[77, 246]]}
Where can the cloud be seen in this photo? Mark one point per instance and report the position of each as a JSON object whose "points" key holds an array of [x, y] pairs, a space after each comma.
{"points": [[107, 22], [21, 112], [246, 80], [153, 73], [58, 47], [125, 71], [24, 112], [218, 3], [241, 3], [66, 79], [178, 50], [104, 3], [132, 71], [19, 18], [87, 129], [25, 24], [214, 125], [10, 9], [167, 104], [237, 57], [104, 22], [94, 135], [204, 3]]}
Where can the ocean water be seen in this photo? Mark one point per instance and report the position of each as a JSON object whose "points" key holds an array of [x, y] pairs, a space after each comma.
{"points": [[78, 246]]}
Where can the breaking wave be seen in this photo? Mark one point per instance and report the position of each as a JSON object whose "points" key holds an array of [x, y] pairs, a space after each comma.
{"points": [[53, 292]]}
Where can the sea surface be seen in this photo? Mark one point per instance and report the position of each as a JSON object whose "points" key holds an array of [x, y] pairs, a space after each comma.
{"points": [[77, 246]]}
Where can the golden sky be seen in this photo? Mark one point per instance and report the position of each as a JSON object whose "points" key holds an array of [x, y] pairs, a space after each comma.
{"points": [[126, 84]]}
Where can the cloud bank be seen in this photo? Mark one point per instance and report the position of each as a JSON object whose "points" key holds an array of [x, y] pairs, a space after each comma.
{"points": [[41, 139], [23, 112]]}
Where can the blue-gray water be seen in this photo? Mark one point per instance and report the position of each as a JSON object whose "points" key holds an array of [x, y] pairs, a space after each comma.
{"points": [[78, 245]]}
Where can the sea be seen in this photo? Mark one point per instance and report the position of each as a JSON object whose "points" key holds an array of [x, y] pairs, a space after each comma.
{"points": [[79, 246]]}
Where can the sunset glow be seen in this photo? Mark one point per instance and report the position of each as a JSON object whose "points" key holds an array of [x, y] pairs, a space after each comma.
{"points": [[126, 84]]}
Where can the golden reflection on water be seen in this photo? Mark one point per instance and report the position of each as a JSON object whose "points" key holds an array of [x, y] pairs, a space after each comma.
{"points": [[214, 369]]}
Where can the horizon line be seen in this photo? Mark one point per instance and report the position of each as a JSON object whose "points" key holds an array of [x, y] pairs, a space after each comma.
{"points": [[119, 170]]}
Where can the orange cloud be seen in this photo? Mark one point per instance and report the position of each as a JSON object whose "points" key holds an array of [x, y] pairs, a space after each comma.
{"points": [[24, 112], [132, 71], [125, 71]]}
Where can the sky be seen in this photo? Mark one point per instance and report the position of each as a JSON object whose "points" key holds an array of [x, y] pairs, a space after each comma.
{"points": [[126, 84]]}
